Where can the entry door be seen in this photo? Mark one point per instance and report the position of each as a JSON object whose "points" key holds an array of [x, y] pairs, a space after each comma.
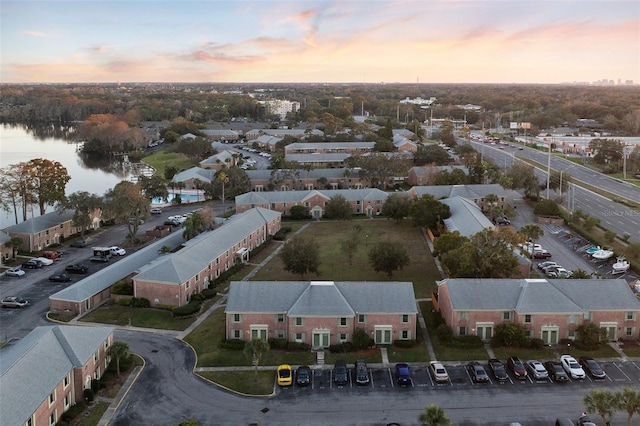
{"points": [[259, 334], [611, 333], [550, 337], [320, 339], [383, 337], [485, 332]]}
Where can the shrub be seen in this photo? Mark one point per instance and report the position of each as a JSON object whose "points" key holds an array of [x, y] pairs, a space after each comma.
{"points": [[298, 346], [510, 335], [444, 333], [361, 340], [124, 302], [232, 344], [279, 236], [467, 342], [209, 293], [298, 213], [536, 343], [336, 349], [186, 310], [95, 385], [140, 302], [546, 208], [197, 297], [228, 274], [278, 343], [123, 287], [88, 395]]}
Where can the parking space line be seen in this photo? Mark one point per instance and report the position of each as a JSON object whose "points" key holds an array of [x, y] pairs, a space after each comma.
{"points": [[390, 377], [623, 373]]}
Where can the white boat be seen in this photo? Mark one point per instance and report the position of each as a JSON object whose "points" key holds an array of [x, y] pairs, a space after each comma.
{"points": [[621, 266], [603, 254]]}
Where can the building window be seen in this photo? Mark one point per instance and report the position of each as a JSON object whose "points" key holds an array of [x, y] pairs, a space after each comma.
{"points": [[405, 318], [528, 319], [237, 318], [187, 284], [197, 277], [506, 316], [463, 315], [299, 321], [628, 331], [52, 419], [66, 381], [404, 335], [527, 333], [571, 319], [280, 318], [630, 316], [66, 402], [361, 318], [95, 357], [344, 337], [343, 322], [462, 331], [52, 398], [236, 334], [279, 334]]}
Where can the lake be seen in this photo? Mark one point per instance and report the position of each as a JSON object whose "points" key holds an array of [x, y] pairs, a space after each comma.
{"points": [[18, 143]]}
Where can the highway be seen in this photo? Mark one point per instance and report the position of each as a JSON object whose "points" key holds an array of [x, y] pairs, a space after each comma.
{"points": [[614, 216]]}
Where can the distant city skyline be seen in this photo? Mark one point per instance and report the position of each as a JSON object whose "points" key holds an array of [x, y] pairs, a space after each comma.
{"points": [[402, 41]]}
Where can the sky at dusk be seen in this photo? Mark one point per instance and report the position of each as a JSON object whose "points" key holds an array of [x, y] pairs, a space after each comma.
{"points": [[439, 41]]}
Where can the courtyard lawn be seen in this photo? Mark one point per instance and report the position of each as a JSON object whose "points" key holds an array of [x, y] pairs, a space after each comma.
{"points": [[244, 382], [334, 266], [161, 159], [113, 314]]}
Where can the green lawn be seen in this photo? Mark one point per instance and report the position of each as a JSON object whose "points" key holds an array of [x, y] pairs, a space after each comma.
{"points": [[422, 270], [160, 159], [113, 314], [244, 382], [94, 416]]}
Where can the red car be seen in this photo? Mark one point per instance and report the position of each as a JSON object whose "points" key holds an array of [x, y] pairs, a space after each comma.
{"points": [[541, 254]]}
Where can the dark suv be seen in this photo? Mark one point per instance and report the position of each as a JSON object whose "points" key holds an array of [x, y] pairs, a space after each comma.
{"points": [[362, 373], [517, 367], [340, 373]]}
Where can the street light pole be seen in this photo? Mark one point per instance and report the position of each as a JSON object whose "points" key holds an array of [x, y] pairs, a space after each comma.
{"points": [[549, 166]]}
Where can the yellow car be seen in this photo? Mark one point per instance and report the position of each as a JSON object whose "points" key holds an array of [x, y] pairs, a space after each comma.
{"points": [[284, 375]]}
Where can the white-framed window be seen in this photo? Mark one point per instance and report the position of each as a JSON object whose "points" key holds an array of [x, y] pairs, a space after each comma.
{"points": [[343, 322], [404, 318], [66, 402], [52, 419], [298, 337], [506, 316], [280, 334], [187, 284], [629, 331], [259, 331], [528, 319], [280, 318], [630, 316], [462, 331], [299, 321], [405, 335], [463, 315], [236, 334], [361, 318], [95, 357], [344, 337], [237, 318], [528, 333], [66, 381], [52, 398], [571, 319]]}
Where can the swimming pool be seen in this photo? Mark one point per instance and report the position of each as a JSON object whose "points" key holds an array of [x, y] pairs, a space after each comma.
{"points": [[186, 198]]}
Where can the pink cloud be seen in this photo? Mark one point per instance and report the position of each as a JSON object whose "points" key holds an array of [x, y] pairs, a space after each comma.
{"points": [[35, 33]]}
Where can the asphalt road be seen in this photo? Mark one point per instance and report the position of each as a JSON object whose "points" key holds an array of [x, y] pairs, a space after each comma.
{"points": [[167, 392], [614, 216]]}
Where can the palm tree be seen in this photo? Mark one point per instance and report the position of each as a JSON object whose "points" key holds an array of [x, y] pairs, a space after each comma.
{"points": [[602, 402], [628, 399], [224, 179], [197, 184], [433, 416], [118, 350], [193, 226], [256, 348], [491, 204]]}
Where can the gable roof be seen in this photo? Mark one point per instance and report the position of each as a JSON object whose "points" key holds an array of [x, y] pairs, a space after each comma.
{"points": [[466, 217], [178, 267], [205, 175], [331, 173], [467, 191], [299, 196], [540, 295], [424, 170], [318, 157], [33, 366], [41, 223], [321, 298]]}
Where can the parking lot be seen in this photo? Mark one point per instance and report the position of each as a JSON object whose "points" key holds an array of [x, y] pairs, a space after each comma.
{"points": [[622, 373]]}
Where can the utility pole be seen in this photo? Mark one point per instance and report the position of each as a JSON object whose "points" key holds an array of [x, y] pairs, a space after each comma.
{"points": [[549, 166]]}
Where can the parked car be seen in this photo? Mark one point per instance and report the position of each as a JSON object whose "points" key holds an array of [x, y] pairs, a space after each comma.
{"points": [[517, 367], [362, 372], [78, 243], [546, 264], [340, 373], [45, 261], [99, 258], [439, 372], [537, 370], [572, 367], [32, 264], [15, 272], [497, 368], [156, 211], [284, 375], [585, 420], [117, 251], [403, 375], [53, 255], [303, 375], [76, 268], [559, 273], [172, 222], [477, 372], [502, 220], [60, 278], [14, 302], [132, 221], [556, 371], [592, 367], [541, 254]]}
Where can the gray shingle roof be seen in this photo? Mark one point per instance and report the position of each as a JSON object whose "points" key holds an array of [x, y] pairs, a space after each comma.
{"points": [[465, 191], [41, 223], [309, 298], [328, 145], [177, 268], [205, 175], [31, 367], [299, 196], [466, 217], [319, 157], [332, 173], [540, 295]]}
